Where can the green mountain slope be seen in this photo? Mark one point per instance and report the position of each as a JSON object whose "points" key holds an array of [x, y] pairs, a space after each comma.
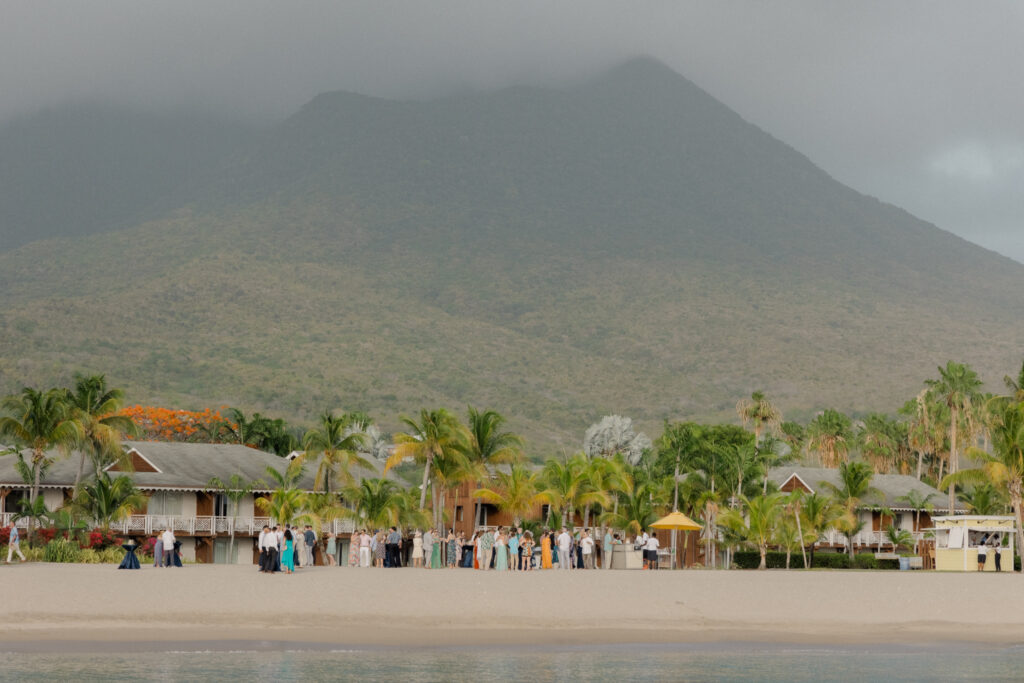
{"points": [[625, 245]]}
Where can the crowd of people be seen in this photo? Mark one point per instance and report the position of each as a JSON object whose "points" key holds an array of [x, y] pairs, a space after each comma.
{"points": [[287, 548]]}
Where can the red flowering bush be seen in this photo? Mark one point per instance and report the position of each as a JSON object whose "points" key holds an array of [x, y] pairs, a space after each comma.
{"points": [[147, 546], [102, 538], [5, 535], [42, 536]]}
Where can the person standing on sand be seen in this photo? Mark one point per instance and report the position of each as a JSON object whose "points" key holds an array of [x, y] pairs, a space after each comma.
{"points": [[526, 548], [453, 549], [486, 550], [587, 550], [606, 550], [435, 557], [364, 549], [331, 550], [997, 542], [279, 546], [500, 551], [353, 549], [168, 539], [158, 551], [545, 551], [394, 548], [264, 553], [514, 554], [652, 552], [428, 548], [14, 544], [981, 553], [270, 544], [417, 549], [310, 536], [564, 549], [288, 563]]}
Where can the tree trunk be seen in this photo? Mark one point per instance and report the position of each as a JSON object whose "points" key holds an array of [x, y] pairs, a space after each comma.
{"points": [[953, 464], [800, 535], [788, 551], [1017, 505], [81, 469], [920, 461], [764, 560], [423, 487]]}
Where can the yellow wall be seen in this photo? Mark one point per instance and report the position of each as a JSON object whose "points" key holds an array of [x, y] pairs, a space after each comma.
{"points": [[952, 560]]}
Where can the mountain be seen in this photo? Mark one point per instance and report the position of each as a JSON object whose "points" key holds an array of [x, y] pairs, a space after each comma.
{"points": [[627, 244], [79, 169]]}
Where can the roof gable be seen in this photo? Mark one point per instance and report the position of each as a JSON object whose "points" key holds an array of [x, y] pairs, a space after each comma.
{"points": [[139, 463]]}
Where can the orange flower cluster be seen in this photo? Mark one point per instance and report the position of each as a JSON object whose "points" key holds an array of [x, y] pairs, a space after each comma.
{"points": [[170, 424]]}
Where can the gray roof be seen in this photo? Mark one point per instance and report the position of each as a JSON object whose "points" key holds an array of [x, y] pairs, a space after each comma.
{"points": [[891, 487], [181, 465]]}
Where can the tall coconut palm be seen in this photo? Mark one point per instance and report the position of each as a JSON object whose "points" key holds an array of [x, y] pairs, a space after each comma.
{"points": [[983, 499], [41, 420], [235, 490], [336, 449], [957, 386], [247, 431], [854, 486], [96, 407], [105, 501], [1004, 468], [287, 503], [1016, 385], [516, 492], [829, 435], [487, 444], [763, 417], [641, 503], [437, 434], [878, 444]]}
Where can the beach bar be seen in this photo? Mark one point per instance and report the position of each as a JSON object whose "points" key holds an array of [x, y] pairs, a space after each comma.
{"points": [[958, 537]]}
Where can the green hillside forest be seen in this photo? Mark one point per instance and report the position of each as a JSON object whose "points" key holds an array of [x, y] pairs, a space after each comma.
{"points": [[627, 245]]}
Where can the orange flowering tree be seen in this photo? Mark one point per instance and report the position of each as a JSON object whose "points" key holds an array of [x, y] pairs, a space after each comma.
{"points": [[170, 424]]}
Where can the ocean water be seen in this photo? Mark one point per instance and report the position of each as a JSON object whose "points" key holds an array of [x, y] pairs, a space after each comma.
{"points": [[732, 662]]}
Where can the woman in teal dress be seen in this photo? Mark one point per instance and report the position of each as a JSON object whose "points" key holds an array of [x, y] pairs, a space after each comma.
{"points": [[501, 552], [435, 554], [288, 556]]}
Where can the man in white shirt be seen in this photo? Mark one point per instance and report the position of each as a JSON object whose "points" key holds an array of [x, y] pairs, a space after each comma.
{"points": [[641, 541], [168, 539], [564, 549], [651, 550], [587, 545]]}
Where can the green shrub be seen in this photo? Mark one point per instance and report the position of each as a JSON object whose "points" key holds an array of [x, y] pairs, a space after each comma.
{"points": [[89, 556], [865, 561], [888, 564], [112, 555], [62, 550], [751, 559]]}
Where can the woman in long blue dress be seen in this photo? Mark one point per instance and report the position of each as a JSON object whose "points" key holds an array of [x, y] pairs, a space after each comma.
{"points": [[288, 556], [501, 552]]}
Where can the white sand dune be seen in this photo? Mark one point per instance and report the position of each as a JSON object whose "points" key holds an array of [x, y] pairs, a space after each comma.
{"points": [[50, 602]]}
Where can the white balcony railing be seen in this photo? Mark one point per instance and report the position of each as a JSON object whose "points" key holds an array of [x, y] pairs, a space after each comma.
{"points": [[190, 526]]}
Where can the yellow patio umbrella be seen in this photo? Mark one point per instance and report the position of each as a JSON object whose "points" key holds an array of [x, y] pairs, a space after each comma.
{"points": [[676, 520]]}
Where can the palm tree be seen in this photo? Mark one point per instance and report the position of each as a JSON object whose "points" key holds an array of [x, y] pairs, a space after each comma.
{"points": [[958, 385], [640, 505], [983, 499], [877, 443], [105, 501], [819, 514], [287, 503], [96, 407], [377, 502], [336, 448], [917, 502], [41, 420], [1016, 385], [517, 492], [35, 511], [235, 490], [436, 435], [899, 538], [854, 486], [755, 523], [570, 487], [829, 436], [488, 445], [245, 431], [760, 412], [1004, 468]]}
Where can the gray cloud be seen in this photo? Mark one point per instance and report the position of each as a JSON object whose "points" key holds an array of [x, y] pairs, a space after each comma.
{"points": [[916, 102]]}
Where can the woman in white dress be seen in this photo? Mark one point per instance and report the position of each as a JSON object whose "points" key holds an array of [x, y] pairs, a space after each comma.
{"points": [[417, 550]]}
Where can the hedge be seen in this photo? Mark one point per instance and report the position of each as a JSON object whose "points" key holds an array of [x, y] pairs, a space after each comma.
{"points": [[751, 559]]}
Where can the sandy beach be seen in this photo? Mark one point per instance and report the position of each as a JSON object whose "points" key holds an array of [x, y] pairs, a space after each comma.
{"points": [[99, 606]]}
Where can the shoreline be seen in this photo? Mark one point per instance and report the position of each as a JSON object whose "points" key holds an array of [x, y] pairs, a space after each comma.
{"points": [[99, 608]]}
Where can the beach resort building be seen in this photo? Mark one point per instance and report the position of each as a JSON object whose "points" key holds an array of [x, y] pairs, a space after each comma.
{"points": [[175, 478]]}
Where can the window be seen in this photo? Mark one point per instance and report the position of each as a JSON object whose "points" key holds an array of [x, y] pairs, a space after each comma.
{"points": [[458, 513], [545, 510], [164, 503], [221, 506]]}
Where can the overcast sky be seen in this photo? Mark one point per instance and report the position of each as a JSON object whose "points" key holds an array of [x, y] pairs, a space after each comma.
{"points": [[917, 103]]}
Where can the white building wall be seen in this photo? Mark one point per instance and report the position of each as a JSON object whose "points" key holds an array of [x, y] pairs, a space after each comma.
{"points": [[53, 498], [246, 506], [244, 546], [188, 508], [188, 548]]}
